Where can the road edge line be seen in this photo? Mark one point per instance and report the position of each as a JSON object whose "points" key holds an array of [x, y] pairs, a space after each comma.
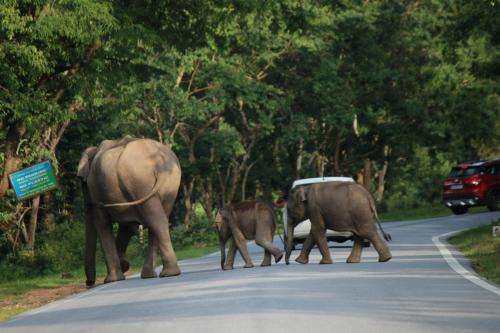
{"points": [[457, 267]]}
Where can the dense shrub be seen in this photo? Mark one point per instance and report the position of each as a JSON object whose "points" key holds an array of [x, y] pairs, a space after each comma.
{"points": [[61, 250], [418, 183], [201, 232]]}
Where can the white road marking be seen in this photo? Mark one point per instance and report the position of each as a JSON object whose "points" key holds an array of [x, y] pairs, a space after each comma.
{"points": [[457, 267]]}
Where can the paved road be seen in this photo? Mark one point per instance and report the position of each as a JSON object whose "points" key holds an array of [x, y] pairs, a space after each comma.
{"points": [[416, 291]]}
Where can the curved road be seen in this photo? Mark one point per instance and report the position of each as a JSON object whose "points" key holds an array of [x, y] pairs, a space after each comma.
{"points": [[417, 291]]}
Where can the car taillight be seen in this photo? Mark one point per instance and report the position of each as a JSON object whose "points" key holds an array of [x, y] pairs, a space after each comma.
{"points": [[472, 180]]}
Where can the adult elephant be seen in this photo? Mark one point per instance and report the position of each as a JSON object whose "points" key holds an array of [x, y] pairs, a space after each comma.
{"points": [[246, 220], [340, 206], [130, 181]]}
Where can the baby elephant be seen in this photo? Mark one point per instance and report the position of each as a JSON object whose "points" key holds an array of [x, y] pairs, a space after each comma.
{"points": [[244, 221]]}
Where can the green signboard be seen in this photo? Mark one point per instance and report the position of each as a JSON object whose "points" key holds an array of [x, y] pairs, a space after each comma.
{"points": [[32, 181]]}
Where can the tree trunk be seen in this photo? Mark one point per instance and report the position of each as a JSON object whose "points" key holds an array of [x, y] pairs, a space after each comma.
{"points": [[33, 222], [236, 175], [12, 160], [207, 194], [381, 175], [367, 175], [298, 165], [320, 164], [208, 191], [336, 156], [381, 182], [188, 204], [245, 178]]}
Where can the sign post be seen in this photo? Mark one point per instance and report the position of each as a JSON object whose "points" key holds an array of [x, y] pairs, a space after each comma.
{"points": [[32, 181]]}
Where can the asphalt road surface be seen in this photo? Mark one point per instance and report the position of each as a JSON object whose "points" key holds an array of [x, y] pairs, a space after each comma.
{"points": [[417, 291]]}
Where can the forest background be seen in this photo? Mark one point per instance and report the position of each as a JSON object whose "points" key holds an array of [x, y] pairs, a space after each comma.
{"points": [[251, 95]]}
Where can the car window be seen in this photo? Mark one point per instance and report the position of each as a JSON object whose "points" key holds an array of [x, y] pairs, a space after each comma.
{"points": [[459, 172]]}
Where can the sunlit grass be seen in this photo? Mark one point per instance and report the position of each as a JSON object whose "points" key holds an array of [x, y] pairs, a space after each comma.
{"points": [[482, 249], [9, 312]]}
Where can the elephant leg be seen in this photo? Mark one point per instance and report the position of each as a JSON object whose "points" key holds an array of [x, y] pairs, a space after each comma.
{"points": [[231, 253], [357, 248], [241, 244], [105, 233], [266, 261], [318, 230], [157, 221], [308, 245], [269, 249], [125, 233], [148, 269], [384, 254]]}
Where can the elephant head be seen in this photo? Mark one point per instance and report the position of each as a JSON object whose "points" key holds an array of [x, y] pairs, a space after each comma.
{"points": [[296, 208], [222, 220]]}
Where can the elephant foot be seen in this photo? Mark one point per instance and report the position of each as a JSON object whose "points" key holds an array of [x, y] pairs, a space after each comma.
{"points": [[248, 266], [113, 278], [324, 261], [148, 273], [228, 267], [90, 284], [265, 264], [353, 260], [385, 258], [278, 258], [302, 260], [124, 265], [174, 271]]}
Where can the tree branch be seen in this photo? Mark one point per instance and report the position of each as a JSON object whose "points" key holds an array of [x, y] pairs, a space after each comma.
{"points": [[193, 75], [211, 86]]}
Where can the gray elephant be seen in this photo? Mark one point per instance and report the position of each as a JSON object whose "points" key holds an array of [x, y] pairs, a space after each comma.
{"points": [[340, 206], [130, 181], [244, 221]]}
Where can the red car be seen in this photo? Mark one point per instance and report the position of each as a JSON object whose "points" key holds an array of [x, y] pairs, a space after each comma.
{"points": [[473, 184]]}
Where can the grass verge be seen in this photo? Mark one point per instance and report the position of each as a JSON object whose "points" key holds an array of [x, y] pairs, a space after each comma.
{"points": [[482, 249], [423, 213], [25, 294]]}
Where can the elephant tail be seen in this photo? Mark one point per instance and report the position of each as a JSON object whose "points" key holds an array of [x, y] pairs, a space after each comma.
{"points": [[155, 189], [387, 236]]}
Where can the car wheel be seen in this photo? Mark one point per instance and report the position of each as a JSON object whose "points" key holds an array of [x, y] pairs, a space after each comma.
{"points": [[459, 210], [493, 200]]}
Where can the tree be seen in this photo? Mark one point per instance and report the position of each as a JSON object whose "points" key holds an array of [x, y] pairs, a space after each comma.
{"points": [[45, 46]]}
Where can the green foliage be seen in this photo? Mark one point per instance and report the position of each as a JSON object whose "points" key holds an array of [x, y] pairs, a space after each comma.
{"points": [[201, 233], [60, 250], [419, 182], [250, 95]]}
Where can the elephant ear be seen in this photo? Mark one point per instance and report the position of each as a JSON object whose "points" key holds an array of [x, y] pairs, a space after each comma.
{"points": [[85, 162], [226, 213], [302, 194], [218, 219]]}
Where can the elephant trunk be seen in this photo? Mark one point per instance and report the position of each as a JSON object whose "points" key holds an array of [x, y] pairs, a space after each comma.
{"points": [[289, 241], [222, 253]]}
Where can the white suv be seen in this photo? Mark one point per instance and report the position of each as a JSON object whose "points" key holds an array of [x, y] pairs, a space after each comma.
{"points": [[302, 229]]}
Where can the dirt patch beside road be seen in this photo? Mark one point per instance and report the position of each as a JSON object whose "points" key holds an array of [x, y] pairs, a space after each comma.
{"points": [[36, 298]]}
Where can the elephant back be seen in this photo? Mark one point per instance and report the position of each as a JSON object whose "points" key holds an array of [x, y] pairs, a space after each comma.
{"points": [[129, 171]]}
